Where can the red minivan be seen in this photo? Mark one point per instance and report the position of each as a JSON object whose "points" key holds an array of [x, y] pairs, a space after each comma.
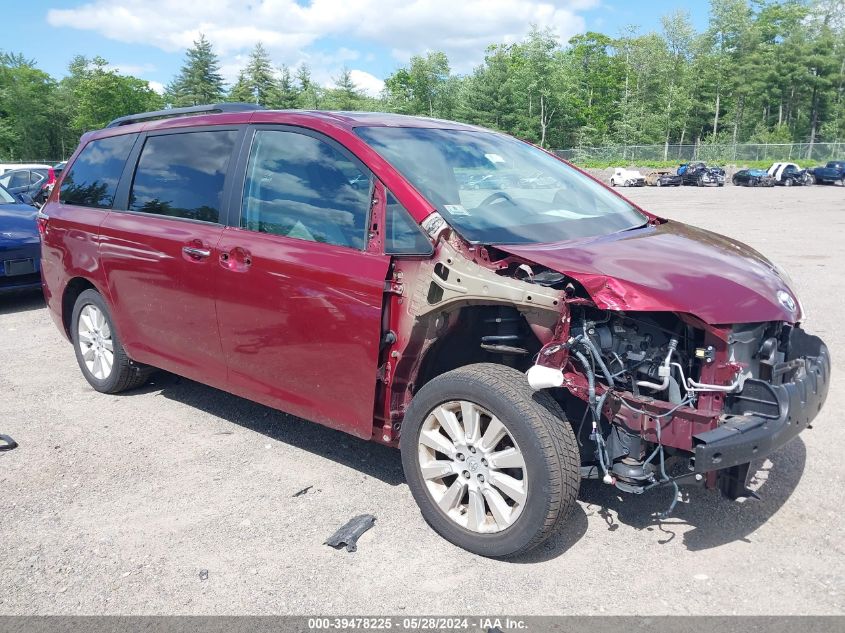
{"points": [[509, 322]]}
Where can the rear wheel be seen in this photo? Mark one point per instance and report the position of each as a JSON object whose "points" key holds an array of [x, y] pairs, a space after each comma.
{"points": [[493, 465], [100, 355], [787, 182]]}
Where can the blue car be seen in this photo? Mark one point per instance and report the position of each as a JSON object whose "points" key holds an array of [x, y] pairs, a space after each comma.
{"points": [[20, 246]]}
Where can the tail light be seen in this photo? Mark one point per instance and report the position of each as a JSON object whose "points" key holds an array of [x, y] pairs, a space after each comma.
{"points": [[51, 176], [42, 219]]}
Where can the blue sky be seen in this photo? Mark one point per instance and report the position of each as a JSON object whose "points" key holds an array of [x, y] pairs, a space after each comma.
{"points": [[147, 38]]}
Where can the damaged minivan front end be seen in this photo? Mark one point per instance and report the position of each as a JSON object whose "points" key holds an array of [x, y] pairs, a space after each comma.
{"points": [[695, 351], [567, 326], [688, 365]]}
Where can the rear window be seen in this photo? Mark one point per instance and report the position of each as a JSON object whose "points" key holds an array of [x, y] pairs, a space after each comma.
{"points": [[15, 179], [92, 178], [182, 175]]}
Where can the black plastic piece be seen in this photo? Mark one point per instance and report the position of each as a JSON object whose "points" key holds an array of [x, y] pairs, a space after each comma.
{"points": [[349, 533], [774, 414], [7, 443], [732, 483], [215, 108]]}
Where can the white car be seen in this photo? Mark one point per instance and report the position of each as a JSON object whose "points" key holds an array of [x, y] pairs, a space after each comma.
{"points": [[4, 167], [627, 178], [789, 174]]}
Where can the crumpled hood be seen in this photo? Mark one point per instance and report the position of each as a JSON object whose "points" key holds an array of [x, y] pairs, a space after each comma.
{"points": [[671, 267], [17, 223]]}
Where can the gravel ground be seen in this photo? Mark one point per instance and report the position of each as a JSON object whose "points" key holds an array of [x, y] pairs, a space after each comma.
{"points": [[114, 504]]}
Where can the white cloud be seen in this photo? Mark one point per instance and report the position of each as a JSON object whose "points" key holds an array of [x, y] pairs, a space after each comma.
{"points": [[462, 29], [157, 86], [370, 84]]}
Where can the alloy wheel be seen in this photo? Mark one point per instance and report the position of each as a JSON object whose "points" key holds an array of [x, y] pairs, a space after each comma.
{"points": [[473, 468], [95, 342]]}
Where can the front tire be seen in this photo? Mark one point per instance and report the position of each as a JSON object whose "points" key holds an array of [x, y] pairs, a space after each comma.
{"points": [[493, 465], [100, 355]]}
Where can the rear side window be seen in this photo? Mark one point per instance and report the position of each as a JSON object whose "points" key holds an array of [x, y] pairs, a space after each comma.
{"points": [[92, 178], [306, 188], [182, 175], [15, 179]]}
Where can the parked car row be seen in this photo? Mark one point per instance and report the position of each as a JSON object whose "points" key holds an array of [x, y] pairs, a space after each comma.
{"points": [[32, 183], [699, 174]]}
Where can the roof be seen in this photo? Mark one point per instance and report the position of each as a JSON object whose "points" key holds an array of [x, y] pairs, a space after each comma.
{"points": [[320, 118], [382, 119]]}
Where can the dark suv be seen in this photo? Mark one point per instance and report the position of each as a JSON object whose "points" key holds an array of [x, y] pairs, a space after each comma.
{"points": [[510, 339]]}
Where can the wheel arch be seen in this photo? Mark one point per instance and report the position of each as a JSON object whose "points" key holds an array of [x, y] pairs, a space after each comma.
{"points": [[460, 343], [75, 287]]}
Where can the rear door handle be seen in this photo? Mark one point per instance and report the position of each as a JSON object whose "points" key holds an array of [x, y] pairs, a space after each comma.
{"points": [[194, 251]]}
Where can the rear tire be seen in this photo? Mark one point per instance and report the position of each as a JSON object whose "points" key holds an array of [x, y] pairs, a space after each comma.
{"points": [[100, 355], [542, 465]]}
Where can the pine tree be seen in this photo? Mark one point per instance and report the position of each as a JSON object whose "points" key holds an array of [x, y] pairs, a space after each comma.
{"points": [[309, 93], [199, 81], [345, 94], [256, 83], [288, 94]]}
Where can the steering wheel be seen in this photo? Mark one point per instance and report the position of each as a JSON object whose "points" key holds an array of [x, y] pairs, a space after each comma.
{"points": [[499, 195]]}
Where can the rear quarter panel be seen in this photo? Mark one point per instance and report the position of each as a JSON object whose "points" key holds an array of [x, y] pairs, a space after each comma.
{"points": [[69, 249]]}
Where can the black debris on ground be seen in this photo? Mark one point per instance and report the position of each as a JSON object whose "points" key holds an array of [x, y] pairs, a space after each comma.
{"points": [[350, 533]]}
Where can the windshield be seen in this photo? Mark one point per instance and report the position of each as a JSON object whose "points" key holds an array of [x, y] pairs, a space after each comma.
{"points": [[496, 190], [6, 197]]}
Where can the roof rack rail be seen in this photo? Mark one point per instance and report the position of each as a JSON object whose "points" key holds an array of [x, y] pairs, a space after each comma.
{"points": [[177, 112]]}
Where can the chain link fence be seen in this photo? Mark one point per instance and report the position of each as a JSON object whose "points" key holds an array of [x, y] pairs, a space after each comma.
{"points": [[725, 153]]}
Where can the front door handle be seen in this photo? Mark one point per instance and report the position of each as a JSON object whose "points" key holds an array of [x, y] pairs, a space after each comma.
{"points": [[194, 251]]}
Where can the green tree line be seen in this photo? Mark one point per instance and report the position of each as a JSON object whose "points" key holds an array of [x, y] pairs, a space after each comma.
{"points": [[762, 71]]}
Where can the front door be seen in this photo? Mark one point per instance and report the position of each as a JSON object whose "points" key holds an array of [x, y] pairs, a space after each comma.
{"points": [[160, 253], [299, 301]]}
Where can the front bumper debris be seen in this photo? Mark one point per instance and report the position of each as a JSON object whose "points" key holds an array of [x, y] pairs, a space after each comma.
{"points": [[766, 416]]}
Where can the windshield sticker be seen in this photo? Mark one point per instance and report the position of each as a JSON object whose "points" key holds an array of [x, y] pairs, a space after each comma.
{"points": [[456, 209]]}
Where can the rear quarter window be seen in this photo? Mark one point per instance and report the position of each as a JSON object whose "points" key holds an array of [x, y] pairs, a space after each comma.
{"points": [[92, 179]]}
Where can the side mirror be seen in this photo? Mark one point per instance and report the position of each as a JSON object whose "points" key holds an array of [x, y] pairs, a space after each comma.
{"points": [[26, 199]]}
